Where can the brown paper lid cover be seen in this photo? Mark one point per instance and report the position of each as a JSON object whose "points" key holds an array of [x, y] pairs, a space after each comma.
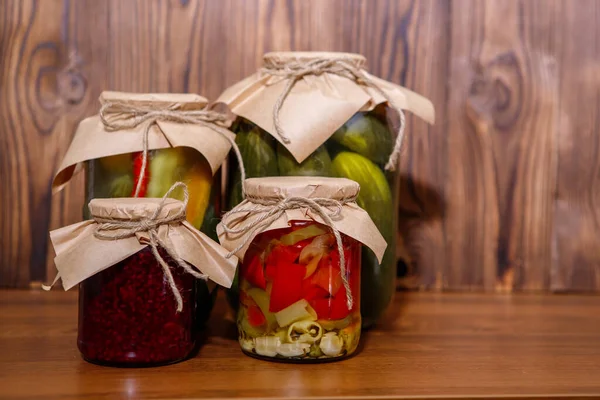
{"points": [[301, 186], [286, 56], [130, 208]]}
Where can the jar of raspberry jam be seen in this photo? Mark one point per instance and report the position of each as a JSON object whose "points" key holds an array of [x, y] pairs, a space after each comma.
{"points": [[128, 317]]}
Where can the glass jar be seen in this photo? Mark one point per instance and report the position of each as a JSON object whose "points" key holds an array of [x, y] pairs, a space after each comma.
{"points": [[128, 314], [117, 176], [358, 151], [292, 301]]}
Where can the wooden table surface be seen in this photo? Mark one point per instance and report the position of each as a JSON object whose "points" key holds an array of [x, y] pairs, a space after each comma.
{"points": [[433, 346]]}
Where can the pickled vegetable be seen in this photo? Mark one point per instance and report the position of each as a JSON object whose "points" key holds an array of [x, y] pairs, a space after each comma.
{"points": [[257, 148], [317, 164], [285, 312], [375, 197], [366, 135]]}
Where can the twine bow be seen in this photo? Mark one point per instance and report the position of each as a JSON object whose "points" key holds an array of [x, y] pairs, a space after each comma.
{"points": [[293, 71], [214, 120], [270, 209], [113, 229]]}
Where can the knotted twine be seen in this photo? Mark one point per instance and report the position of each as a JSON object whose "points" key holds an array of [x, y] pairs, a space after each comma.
{"points": [[270, 209], [293, 71], [115, 229], [214, 120]]}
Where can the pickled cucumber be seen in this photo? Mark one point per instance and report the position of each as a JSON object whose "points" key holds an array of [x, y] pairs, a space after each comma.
{"points": [[366, 135], [375, 197], [317, 164], [257, 148]]}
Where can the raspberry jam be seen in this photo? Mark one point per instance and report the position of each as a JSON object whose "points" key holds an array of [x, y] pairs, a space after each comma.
{"points": [[293, 303], [128, 315]]}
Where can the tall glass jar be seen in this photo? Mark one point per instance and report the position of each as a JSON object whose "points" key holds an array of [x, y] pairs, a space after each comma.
{"points": [[292, 301], [117, 176], [358, 151], [128, 315]]}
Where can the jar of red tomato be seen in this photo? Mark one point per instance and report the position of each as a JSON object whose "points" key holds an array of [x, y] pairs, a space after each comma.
{"points": [[299, 281], [137, 262]]}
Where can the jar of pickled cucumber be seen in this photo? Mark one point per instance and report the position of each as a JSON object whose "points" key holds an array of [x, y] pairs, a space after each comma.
{"points": [[322, 114], [299, 282], [139, 145]]}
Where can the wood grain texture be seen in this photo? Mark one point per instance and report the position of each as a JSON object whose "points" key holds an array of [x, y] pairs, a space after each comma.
{"points": [[577, 211], [501, 194], [431, 346], [39, 94], [178, 46], [424, 28], [502, 145]]}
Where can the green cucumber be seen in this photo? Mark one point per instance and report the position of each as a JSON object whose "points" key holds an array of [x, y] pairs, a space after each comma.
{"points": [[366, 135], [257, 148], [375, 197], [317, 164]]}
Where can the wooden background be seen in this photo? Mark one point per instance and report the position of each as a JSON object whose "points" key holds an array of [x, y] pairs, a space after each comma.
{"points": [[502, 194]]}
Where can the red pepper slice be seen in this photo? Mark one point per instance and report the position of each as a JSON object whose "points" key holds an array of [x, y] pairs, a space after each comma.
{"points": [[339, 305], [255, 274], [283, 255], [322, 307], [311, 292], [327, 276], [270, 271], [137, 169], [255, 316], [287, 286], [280, 255]]}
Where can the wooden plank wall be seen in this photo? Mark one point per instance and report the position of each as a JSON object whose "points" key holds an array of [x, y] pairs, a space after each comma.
{"points": [[502, 194]]}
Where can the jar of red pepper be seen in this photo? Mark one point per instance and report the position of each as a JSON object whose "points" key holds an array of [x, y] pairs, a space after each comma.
{"points": [[137, 262], [300, 276]]}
